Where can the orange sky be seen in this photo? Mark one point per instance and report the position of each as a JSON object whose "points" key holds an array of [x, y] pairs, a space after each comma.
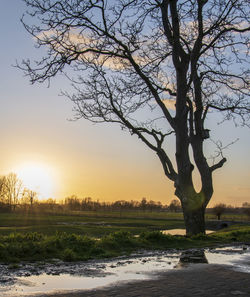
{"points": [[99, 161]]}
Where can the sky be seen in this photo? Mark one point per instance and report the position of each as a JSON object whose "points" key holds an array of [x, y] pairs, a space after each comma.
{"points": [[78, 157]]}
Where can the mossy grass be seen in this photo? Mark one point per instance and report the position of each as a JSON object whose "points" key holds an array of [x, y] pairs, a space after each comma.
{"points": [[17, 247]]}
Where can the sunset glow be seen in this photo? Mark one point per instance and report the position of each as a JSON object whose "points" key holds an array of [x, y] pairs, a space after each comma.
{"points": [[37, 177], [57, 156]]}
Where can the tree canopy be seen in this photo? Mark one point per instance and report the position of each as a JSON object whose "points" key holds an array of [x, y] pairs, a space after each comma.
{"points": [[155, 67]]}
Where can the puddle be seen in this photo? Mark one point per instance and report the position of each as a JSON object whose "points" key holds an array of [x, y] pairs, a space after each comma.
{"points": [[114, 272], [237, 257], [120, 270], [180, 231], [90, 275]]}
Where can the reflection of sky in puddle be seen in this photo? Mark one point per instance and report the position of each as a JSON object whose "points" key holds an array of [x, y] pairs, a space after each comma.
{"points": [[47, 283], [228, 256], [180, 231], [116, 271], [218, 258], [137, 268]]}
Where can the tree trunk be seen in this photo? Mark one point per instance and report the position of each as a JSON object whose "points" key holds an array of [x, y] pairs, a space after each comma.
{"points": [[194, 220]]}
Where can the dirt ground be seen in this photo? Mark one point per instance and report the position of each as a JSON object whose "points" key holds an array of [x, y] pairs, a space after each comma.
{"points": [[201, 280]]}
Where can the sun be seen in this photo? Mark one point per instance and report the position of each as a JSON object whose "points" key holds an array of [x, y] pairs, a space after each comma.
{"points": [[37, 177]]}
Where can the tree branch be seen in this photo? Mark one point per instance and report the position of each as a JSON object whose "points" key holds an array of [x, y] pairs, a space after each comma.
{"points": [[218, 165]]}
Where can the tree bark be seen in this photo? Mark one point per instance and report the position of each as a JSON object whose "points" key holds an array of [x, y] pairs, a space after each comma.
{"points": [[194, 219]]}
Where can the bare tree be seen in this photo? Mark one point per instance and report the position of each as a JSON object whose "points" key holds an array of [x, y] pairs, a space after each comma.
{"points": [[246, 209], [219, 209], [2, 190], [176, 60], [174, 205], [29, 197], [143, 204], [13, 189]]}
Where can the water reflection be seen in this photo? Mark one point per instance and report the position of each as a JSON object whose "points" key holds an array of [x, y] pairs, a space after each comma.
{"points": [[119, 270], [180, 231]]}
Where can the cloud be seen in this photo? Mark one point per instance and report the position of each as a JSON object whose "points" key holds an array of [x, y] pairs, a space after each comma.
{"points": [[169, 103], [243, 189], [72, 41]]}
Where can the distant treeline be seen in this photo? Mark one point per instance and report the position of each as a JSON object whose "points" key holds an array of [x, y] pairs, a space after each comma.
{"points": [[75, 203], [14, 197]]}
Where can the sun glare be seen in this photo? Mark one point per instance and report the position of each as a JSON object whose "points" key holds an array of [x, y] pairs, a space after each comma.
{"points": [[38, 178]]}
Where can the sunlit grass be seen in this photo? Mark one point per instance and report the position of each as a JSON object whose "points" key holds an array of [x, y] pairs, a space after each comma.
{"points": [[86, 235], [84, 223], [91, 223], [17, 247]]}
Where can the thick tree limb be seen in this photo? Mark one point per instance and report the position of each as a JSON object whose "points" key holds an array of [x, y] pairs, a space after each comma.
{"points": [[218, 165]]}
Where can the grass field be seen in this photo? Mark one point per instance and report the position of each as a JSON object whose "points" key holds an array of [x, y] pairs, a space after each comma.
{"points": [[84, 235], [95, 224]]}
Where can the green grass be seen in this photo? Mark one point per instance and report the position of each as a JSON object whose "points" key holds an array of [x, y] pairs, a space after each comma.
{"points": [[228, 217], [88, 221], [17, 247], [86, 235], [85, 223]]}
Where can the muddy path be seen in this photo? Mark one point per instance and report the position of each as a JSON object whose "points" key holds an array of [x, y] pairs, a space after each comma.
{"points": [[50, 279]]}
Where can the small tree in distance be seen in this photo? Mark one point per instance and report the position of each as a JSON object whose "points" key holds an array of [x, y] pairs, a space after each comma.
{"points": [[246, 209], [29, 197], [174, 205], [219, 209], [143, 204], [175, 60]]}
